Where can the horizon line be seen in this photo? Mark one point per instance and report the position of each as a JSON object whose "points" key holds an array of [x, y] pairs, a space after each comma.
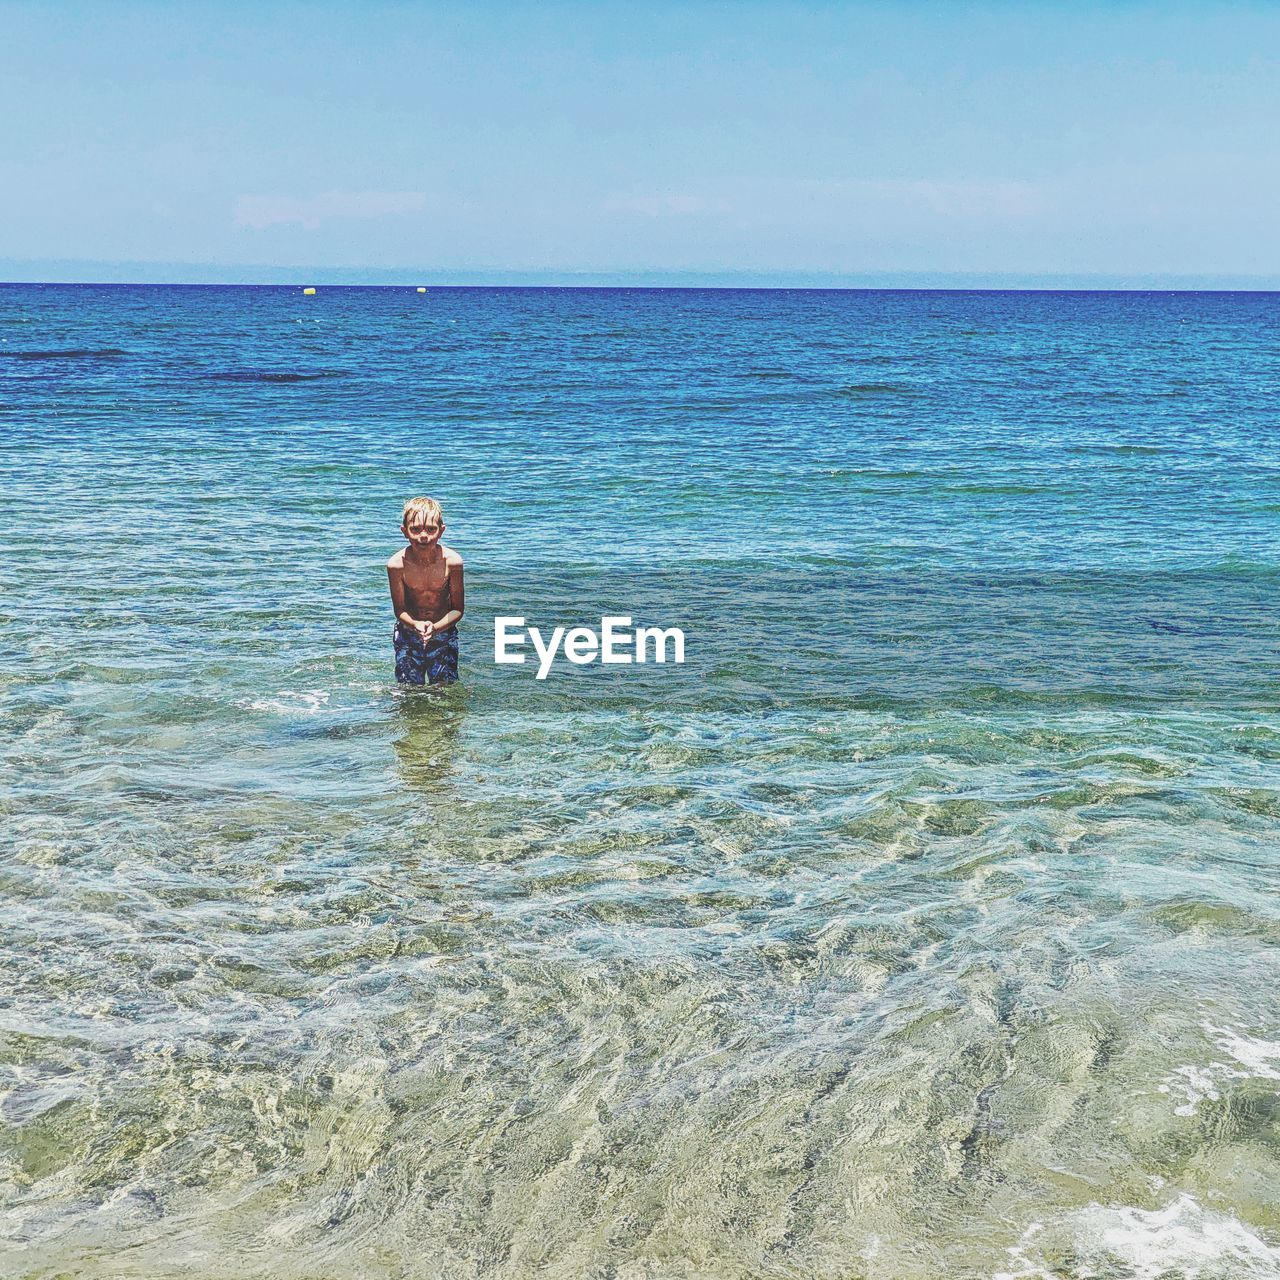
{"points": [[637, 286]]}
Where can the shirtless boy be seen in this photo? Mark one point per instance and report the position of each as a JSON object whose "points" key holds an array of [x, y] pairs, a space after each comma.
{"points": [[426, 593]]}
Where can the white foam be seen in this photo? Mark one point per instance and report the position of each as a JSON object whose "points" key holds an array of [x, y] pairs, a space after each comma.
{"points": [[1183, 1240], [1019, 1255], [1196, 1084], [293, 702], [1254, 1059], [1260, 1058]]}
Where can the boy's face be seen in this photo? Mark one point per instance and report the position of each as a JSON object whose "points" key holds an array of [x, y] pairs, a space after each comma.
{"points": [[422, 531]]}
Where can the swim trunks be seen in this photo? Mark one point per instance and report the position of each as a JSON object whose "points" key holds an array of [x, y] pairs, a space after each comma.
{"points": [[435, 662]]}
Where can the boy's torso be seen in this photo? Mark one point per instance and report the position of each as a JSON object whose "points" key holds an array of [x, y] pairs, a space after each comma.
{"points": [[426, 586]]}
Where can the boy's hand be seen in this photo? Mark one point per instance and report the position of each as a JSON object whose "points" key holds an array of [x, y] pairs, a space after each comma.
{"points": [[426, 630]]}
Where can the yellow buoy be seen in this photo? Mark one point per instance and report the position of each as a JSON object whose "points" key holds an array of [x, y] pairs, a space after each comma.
{"points": [[422, 288], [308, 292]]}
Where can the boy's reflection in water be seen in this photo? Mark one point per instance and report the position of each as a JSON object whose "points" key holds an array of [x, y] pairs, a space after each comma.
{"points": [[426, 745]]}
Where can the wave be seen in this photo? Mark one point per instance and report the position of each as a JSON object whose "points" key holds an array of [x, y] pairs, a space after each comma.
{"points": [[877, 389], [1183, 1239], [1252, 1058], [303, 702], [1014, 490], [1123, 450], [261, 375], [66, 353]]}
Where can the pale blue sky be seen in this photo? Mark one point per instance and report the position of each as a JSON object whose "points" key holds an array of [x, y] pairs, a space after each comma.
{"points": [[777, 142]]}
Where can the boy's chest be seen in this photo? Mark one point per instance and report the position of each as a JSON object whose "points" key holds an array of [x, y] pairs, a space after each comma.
{"points": [[426, 577]]}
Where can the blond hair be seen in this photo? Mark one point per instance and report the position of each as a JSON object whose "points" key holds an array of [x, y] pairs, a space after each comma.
{"points": [[424, 509]]}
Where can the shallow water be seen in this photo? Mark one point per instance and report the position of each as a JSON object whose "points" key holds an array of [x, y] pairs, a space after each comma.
{"points": [[922, 924]]}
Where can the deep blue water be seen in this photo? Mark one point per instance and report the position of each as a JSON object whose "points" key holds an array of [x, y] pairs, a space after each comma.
{"points": [[931, 900]]}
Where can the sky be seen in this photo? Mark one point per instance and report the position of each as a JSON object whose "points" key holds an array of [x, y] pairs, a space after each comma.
{"points": [[1050, 144]]}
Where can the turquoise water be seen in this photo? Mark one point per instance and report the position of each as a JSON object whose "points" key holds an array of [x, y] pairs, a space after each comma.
{"points": [[922, 924]]}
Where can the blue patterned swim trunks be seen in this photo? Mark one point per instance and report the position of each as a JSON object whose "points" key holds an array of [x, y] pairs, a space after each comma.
{"points": [[435, 662]]}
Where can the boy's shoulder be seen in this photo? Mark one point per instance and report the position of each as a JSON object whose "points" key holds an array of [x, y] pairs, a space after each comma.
{"points": [[397, 560], [451, 557]]}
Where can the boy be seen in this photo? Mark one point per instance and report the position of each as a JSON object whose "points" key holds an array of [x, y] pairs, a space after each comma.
{"points": [[426, 593]]}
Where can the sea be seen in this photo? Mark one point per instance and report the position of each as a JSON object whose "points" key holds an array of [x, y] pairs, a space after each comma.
{"points": [[920, 925]]}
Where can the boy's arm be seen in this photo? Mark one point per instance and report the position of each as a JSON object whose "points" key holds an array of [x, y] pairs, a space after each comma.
{"points": [[395, 579], [456, 598]]}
